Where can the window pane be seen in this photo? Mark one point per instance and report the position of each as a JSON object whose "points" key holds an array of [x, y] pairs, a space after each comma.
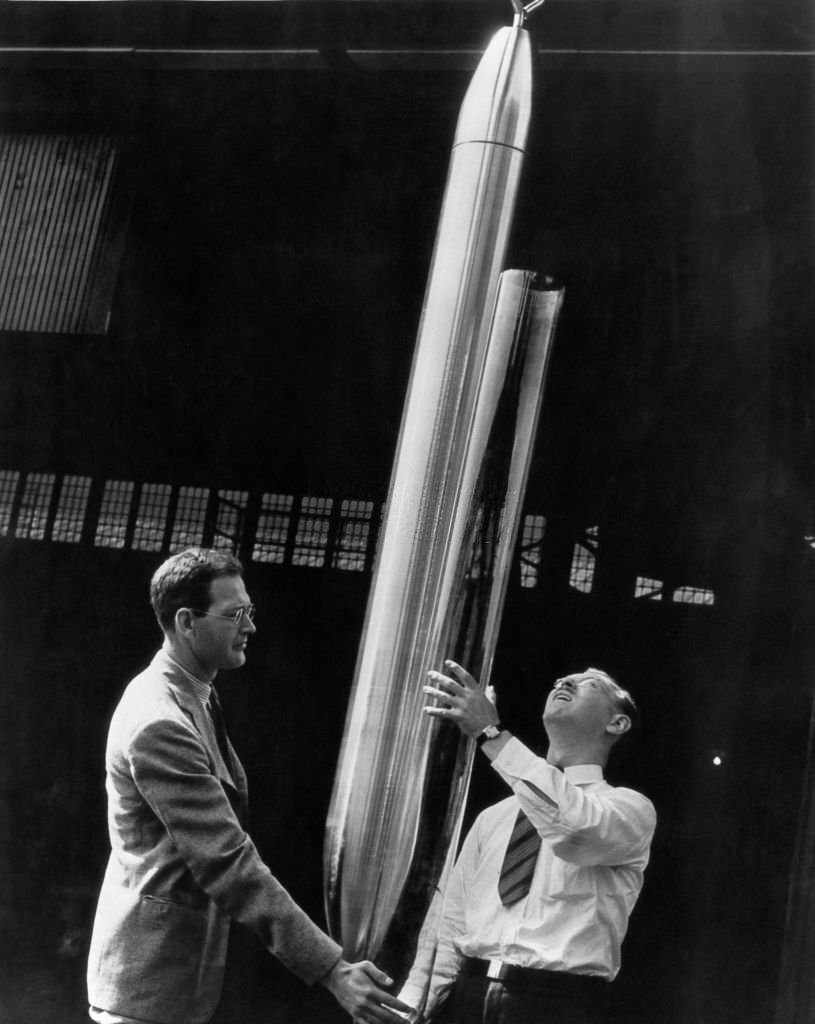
{"points": [[151, 517], [111, 528], [9, 478], [584, 558], [311, 539], [531, 538], [353, 535], [693, 595], [190, 517], [34, 508], [70, 516], [229, 519], [273, 528]]}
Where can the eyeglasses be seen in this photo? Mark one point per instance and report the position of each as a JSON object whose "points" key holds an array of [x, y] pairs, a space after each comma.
{"points": [[618, 694], [236, 618]]}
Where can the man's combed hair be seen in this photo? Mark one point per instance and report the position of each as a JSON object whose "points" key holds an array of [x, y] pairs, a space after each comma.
{"points": [[624, 701], [183, 581], [626, 705]]}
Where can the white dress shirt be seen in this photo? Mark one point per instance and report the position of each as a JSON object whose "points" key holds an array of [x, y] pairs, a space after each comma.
{"points": [[594, 850]]}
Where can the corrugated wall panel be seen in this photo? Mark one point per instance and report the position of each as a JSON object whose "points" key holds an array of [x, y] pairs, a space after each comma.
{"points": [[55, 196]]}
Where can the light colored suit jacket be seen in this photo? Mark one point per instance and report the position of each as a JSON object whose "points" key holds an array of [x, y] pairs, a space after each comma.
{"points": [[181, 865]]}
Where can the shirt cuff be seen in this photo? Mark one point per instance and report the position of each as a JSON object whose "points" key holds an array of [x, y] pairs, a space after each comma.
{"points": [[514, 760], [412, 995]]}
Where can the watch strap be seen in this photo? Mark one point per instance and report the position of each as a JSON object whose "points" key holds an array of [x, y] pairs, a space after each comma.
{"points": [[489, 732]]}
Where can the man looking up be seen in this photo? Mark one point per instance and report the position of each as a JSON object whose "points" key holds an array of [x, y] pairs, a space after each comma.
{"points": [[538, 902], [182, 866]]}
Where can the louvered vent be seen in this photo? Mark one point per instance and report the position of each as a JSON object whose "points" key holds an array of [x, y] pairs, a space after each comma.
{"points": [[58, 253]]}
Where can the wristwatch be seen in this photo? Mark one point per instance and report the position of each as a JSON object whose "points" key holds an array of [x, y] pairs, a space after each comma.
{"points": [[489, 732]]}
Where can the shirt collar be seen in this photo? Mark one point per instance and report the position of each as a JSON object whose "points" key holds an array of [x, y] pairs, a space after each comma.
{"points": [[199, 687], [583, 774]]}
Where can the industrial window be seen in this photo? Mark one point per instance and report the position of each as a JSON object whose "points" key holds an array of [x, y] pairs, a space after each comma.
{"points": [[273, 528], [353, 535], [693, 595], [584, 558], [60, 237], [9, 478], [311, 538], [151, 517], [111, 527], [532, 532], [190, 517], [33, 514], [650, 590], [71, 507], [309, 531], [229, 519]]}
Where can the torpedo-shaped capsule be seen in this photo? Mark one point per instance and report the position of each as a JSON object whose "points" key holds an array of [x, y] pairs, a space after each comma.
{"points": [[448, 533]]}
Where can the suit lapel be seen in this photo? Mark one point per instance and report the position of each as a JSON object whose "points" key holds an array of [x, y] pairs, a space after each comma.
{"points": [[234, 782]]}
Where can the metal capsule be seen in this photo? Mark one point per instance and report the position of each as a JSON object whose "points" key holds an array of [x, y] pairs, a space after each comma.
{"points": [[448, 536]]}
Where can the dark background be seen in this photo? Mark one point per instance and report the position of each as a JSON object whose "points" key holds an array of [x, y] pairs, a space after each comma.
{"points": [[261, 334]]}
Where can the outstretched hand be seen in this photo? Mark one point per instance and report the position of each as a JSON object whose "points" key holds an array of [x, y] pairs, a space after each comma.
{"points": [[462, 701], [361, 990]]}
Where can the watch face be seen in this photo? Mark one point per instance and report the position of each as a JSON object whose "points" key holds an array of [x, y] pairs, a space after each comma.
{"points": [[489, 732]]}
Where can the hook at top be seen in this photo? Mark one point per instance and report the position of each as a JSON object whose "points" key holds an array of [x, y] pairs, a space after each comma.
{"points": [[522, 10]]}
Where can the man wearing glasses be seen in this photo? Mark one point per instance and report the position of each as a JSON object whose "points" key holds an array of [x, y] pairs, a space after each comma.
{"points": [[538, 902], [182, 866]]}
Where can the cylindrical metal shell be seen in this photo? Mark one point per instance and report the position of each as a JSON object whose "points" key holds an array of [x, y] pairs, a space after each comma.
{"points": [[446, 542]]}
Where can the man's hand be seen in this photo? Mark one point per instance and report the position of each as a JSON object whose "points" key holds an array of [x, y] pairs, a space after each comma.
{"points": [[360, 989], [463, 702]]}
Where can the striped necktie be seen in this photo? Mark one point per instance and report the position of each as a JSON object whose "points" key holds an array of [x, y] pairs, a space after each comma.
{"points": [[519, 861]]}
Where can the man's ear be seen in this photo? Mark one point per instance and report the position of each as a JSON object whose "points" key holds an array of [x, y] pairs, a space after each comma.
{"points": [[184, 620], [619, 724]]}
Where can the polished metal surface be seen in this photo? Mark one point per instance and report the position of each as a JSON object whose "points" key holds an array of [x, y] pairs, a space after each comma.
{"points": [[402, 777], [448, 536]]}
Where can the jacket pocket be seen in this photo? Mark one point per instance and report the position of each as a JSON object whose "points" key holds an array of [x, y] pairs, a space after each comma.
{"points": [[147, 956]]}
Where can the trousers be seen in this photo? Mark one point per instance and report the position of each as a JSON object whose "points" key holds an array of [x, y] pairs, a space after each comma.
{"points": [[538, 997]]}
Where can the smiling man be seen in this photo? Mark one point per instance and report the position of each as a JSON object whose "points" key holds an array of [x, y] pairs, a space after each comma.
{"points": [[182, 866], [538, 902]]}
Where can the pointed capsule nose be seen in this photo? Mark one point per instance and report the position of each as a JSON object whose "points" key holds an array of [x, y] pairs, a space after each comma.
{"points": [[498, 102]]}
